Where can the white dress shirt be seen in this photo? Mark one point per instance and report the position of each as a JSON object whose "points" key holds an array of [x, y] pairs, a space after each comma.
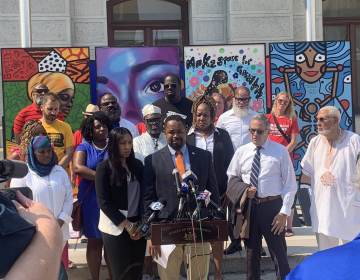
{"points": [[238, 128], [130, 126], [54, 191], [205, 143], [145, 145], [335, 201], [277, 176]]}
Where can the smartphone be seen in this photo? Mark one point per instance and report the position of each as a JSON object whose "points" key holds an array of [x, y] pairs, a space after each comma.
{"points": [[11, 193]]}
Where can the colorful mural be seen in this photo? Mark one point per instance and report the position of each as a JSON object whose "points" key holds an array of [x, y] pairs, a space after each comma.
{"points": [[135, 75], [316, 74], [26, 72], [225, 68]]}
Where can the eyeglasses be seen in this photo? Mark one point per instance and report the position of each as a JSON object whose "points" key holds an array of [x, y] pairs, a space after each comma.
{"points": [[323, 119], [242, 99], [258, 131], [168, 86]]}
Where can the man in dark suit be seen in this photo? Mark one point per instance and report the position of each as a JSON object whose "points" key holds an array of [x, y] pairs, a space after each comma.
{"points": [[160, 185]]}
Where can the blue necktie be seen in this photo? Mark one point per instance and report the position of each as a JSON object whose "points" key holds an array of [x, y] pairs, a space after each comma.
{"points": [[255, 168]]}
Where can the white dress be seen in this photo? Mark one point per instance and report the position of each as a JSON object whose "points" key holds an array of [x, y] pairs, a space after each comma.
{"points": [[335, 203], [54, 191]]}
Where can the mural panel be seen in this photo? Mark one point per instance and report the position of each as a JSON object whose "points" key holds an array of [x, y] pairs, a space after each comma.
{"points": [[225, 68], [316, 74]]}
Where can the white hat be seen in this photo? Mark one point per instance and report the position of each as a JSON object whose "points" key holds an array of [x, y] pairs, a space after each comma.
{"points": [[150, 109], [90, 109]]}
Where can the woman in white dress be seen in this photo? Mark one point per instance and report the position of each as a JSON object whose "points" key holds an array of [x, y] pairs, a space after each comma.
{"points": [[49, 183]]}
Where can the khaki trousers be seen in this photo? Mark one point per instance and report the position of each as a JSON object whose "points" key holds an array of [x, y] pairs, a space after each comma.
{"points": [[197, 268], [327, 242]]}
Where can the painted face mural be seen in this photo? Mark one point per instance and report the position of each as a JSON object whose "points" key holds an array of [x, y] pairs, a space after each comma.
{"points": [[135, 75], [310, 61], [316, 74], [27, 74]]}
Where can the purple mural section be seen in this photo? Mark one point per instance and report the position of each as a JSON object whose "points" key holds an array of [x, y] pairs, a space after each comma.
{"points": [[135, 75]]}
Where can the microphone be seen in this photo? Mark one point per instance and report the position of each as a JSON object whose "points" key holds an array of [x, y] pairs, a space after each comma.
{"points": [[202, 199], [208, 201], [176, 174], [156, 207], [13, 169], [189, 176]]}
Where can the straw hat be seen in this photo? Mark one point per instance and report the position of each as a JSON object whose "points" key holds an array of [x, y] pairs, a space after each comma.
{"points": [[90, 109]]}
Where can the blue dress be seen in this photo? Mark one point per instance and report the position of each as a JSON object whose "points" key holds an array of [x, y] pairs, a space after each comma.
{"points": [[87, 194]]}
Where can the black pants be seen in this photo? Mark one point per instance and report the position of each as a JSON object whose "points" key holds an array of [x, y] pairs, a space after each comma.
{"points": [[262, 216], [126, 256]]}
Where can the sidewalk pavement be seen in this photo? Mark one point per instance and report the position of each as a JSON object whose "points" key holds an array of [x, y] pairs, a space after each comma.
{"points": [[301, 245]]}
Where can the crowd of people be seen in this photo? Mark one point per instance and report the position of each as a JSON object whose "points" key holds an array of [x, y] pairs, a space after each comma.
{"points": [[243, 158]]}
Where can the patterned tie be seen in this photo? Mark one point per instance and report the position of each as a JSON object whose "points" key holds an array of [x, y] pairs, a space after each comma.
{"points": [[179, 162], [255, 168]]}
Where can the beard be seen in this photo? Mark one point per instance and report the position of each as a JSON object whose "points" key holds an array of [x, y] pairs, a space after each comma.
{"points": [[240, 112]]}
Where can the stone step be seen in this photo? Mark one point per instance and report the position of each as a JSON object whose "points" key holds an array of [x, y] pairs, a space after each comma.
{"points": [[302, 244]]}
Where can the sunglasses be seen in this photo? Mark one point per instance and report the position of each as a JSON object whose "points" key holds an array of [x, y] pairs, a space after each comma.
{"points": [[168, 86], [258, 131], [153, 121], [242, 99], [282, 101], [41, 90]]}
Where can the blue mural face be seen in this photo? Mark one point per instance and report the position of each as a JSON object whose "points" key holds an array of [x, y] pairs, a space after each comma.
{"points": [[317, 74]]}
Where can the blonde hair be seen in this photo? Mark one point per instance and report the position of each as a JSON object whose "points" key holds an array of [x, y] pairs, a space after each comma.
{"points": [[289, 112]]}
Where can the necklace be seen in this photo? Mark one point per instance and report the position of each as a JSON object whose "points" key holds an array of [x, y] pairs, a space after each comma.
{"points": [[98, 148]]}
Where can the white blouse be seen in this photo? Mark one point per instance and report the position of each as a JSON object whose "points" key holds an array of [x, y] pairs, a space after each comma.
{"points": [[54, 191]]}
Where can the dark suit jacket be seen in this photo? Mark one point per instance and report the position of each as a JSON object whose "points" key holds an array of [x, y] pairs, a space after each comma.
{"points": [[160, 183], [222, 155]]}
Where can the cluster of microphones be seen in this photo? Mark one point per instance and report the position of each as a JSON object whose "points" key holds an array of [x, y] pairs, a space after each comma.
{"points": [[186, 191], [185, 186]]}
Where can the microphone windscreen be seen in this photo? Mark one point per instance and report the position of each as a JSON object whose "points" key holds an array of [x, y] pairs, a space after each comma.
{"points": [[13, 168]]}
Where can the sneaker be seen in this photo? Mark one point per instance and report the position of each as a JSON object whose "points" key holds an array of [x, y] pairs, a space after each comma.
{"points": [[289, 232]]}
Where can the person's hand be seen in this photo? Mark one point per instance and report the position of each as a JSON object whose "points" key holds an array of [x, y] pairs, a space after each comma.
{"points": [[251, 191], [44, 251], [154, 250], [34, 212], [278, 224], [132, 230]]}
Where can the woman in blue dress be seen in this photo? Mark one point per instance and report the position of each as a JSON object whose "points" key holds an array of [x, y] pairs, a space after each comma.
{"points": [[88, 155]]}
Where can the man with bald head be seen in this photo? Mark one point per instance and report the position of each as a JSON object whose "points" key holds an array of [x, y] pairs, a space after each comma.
{"points": [[330, 161], [173, 103]]}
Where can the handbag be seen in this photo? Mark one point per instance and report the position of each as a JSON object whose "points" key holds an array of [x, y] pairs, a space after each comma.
{"points": [[76, 216]]}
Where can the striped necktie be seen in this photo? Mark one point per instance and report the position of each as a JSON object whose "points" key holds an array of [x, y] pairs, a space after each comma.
{"points": [[255, 168]]}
